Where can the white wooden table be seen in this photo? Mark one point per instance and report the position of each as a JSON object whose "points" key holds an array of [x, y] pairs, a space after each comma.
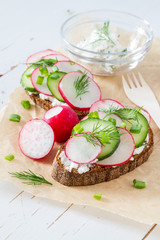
{"points": [[26, 27]]}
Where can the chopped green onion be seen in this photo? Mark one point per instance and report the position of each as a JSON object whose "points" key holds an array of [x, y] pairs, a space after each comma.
{"points": [[97, 196], [136, 128], [15, 118], [43, 71], [55, 69], [9, 157], [49, 62], [78, 128], [40, 80], [104, 138], [28, 76], [112, 120], [123, 125], [139, 184], [26, 104], [93, 115]]}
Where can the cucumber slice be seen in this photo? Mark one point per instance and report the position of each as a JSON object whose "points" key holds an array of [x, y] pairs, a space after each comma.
{"points": [[108, 148], [26, 80], [139, 138], [53, 86]]}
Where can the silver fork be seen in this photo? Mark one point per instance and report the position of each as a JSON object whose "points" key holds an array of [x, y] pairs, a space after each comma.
{"points": [[138, 91]]}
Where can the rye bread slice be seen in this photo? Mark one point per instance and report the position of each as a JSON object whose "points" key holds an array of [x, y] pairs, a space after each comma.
{"points": [[98, 174], [47, 104]]}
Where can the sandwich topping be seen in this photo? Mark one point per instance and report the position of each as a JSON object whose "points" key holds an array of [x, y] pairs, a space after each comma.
{"points": [[86, 167], [71, 165], [119, 144], [57, 79], [54, 101]]}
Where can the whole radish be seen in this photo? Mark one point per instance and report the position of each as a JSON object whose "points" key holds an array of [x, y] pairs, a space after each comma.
{"points": [[62, 119]]}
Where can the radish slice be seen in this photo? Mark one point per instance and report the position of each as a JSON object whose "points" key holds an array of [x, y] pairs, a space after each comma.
{"points": [[69, 94], [38, 55], [80, 151], [36, 139], [146, 115], [41, 88], [58, 57], [105, 104], [123, 153], [69, 66], [102, 116]]}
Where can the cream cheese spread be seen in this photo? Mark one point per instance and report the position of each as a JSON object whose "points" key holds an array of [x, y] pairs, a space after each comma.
{"points": [[98, 41], [104, 40], [82, 168], [141, 148], [32, 93], [54, 101]]}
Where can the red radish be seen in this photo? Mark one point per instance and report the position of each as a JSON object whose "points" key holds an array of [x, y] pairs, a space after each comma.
{"points": [[57, 56], [69, 92], [105, 104], [146, 115], [69, 66], [41, 88], [38, 55], [123, 153], [81, 151], [36, 139], [62, 119], [102, 116]]}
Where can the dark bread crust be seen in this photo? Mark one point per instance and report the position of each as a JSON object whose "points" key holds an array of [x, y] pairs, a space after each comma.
{"points": [[98, 174], [46, 104]]}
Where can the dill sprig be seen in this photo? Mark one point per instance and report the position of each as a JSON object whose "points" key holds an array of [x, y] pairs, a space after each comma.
{"points": [[126, 114], [91, 139], [32, 178], [103, 33], [81, 85], [103, 135]]}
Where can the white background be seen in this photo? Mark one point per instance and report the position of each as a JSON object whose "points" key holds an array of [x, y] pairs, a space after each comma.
{"points": [[26, 27]]}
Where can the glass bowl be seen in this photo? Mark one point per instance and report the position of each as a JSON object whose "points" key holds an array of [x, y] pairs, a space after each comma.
{"points": [[134, 36]]}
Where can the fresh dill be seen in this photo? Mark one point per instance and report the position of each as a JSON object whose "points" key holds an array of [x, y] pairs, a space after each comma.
{"points": [[81, 85], [103, 135], [91, 139], [104, 33], [124, 51], [32, 178], [124, 113], [127, 115]]}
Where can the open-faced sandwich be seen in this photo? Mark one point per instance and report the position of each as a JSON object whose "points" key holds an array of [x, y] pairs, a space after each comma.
{"points": [[51, 79], [110, 141]]}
